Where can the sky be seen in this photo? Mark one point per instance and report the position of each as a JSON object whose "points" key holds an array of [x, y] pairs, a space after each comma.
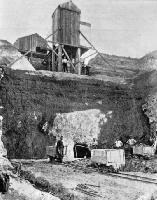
{"points": [[118, 27]]}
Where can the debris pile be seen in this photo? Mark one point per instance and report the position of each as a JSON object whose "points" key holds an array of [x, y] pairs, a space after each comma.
{"points": [[9, 54], [140, 165], [81, 164], [132, 165]]}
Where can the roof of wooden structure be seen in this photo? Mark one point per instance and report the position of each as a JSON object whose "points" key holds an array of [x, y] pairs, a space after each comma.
{"points": [[34, 34], [70, 6]]}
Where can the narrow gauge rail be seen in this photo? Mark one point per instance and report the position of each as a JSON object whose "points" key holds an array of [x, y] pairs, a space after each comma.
{"points": [[133, 177]]}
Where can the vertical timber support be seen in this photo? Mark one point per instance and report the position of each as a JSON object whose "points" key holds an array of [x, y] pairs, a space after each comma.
{"points": [[53, 68], [52, 59], [59, 58], [49, 63], [78, 55]]}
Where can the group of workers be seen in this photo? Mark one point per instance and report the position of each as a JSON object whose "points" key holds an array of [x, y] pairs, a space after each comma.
{"points": [[67, 66], [127, 145]]}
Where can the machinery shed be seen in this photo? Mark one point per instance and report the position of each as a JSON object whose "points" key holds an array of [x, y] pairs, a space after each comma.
{"points": [[32, 42]]}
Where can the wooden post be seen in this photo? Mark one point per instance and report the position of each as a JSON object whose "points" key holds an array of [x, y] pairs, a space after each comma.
{"points": [[53, 67], [60, 58], [96, 50], [52, 55], [30, 58], [49, 62], [78, 55]]}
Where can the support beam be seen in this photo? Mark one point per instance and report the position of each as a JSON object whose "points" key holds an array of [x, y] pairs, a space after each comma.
{"points": [[49, 63], [95, 49], [78, 55], [52, 55], [52, 59], [60, 58]]}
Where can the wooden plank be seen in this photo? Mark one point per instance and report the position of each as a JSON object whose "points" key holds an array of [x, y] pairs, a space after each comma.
{"points": [[55, 24], [78, 55], [59, 58], [68, 36], [72, 28], [85, 24]]}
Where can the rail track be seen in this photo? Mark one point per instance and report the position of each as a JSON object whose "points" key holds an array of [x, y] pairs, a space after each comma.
{"points": [[133, 177], [88, 188]]}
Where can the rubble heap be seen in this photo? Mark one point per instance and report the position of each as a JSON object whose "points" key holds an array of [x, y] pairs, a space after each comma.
{"points": [[9, 54]]}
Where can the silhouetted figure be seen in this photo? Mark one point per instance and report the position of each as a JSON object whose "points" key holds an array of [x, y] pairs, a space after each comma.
{"points": [[60, 150], [4, 182]]}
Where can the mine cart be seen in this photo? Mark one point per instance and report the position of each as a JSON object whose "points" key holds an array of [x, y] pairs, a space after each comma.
{"points": [[109, 157], [51, 152], [145, 151]]}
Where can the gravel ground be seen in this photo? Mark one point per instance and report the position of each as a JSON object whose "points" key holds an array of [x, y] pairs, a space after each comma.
{"points": [[86, 183]]}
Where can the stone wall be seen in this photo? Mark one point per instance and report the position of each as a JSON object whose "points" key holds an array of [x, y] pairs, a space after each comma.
{"points": [[34, 102]]}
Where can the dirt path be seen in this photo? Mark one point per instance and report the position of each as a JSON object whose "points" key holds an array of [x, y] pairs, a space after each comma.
{"points": [[102, 186]]}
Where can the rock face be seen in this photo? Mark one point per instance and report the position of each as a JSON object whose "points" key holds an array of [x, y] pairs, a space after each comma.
{"points": [[80, 126], [35, 103]]}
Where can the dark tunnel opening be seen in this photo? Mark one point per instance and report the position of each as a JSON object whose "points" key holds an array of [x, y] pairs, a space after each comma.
{"points": [[81, 151]]}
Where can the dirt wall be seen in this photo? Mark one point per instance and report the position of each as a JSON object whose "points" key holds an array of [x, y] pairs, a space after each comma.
{"points": [[32, 100]]}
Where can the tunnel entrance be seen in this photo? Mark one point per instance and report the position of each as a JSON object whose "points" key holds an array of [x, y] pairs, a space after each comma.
{"points": [[81, 150]]}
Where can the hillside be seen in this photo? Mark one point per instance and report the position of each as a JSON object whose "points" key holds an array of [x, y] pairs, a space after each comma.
{"points": [[118, 99], [122, 67]]}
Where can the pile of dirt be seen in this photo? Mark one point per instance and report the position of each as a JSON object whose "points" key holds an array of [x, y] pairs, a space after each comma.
{"points": [[140, 165], [134, 164], [9, 54], [81, 164]]}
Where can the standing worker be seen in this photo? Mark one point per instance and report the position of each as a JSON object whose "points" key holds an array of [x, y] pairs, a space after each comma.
{"points": [[60, 150], [118, 144], [131, 142], [64, 62]]}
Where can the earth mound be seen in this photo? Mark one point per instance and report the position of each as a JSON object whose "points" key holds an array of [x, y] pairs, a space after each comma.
{"points": [[9, 54]]}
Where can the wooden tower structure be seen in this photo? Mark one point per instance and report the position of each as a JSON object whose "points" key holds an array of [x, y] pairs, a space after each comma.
{"points": [[66, 36]]}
